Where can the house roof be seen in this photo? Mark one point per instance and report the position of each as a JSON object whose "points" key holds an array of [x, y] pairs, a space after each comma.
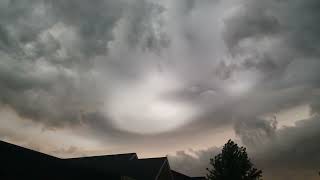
{"points": [[151, 166], [25, 161], [124, 164], [11, 149], [199, 178], [126, 156], [179, 176]]}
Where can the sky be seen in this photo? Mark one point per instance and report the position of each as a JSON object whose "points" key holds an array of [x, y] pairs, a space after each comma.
{"points": [[176, 78]]}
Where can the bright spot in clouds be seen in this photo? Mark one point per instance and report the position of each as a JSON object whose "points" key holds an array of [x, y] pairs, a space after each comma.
{"points": [[141, 108]]}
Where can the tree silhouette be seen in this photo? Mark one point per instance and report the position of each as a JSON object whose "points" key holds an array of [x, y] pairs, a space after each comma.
{"points": [[232, 164]]}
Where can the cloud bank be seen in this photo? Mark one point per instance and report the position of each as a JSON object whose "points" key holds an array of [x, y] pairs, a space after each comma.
{"points": [[138, 72]]}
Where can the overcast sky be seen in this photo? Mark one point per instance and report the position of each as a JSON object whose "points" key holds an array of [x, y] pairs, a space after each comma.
{"points": [[83, 77]]}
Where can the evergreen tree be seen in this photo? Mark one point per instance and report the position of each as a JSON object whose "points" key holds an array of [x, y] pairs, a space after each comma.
{"points": [[232, 164]]}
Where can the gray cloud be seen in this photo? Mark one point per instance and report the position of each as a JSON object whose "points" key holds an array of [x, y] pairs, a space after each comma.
{"points": [[253, 133], [193, 163], [123, 69], [250, 22], [289, 152], [48, 51]]}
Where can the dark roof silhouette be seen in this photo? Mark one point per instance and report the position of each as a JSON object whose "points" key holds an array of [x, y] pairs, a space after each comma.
{"points": [[11, 149], [126, 156], [199, 178], [123, 164], [180, 176], [22, 163]]}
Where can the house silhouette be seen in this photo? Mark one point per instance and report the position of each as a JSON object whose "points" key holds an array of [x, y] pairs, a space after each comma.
{"points": [[22, 163]]}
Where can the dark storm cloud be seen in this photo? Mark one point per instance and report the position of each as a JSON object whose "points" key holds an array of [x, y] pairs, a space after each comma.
{"points": [[193, 163], [280, 41], [291, 152], [31, 83], [250, 23], [273, 35], [48, 50], [256, 131], [65, 59], [263, 18], [292, 22], [96, 21], [263, 37], [261, 54], [214, 63]]}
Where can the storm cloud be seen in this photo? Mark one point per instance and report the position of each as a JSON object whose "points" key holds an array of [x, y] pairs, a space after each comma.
{"points": [[130, 74], [287, 152]]}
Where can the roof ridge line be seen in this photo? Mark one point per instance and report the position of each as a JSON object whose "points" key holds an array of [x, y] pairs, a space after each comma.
{"points": [[158, 174], [133, 154], [153, 158], [29, 149]]}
